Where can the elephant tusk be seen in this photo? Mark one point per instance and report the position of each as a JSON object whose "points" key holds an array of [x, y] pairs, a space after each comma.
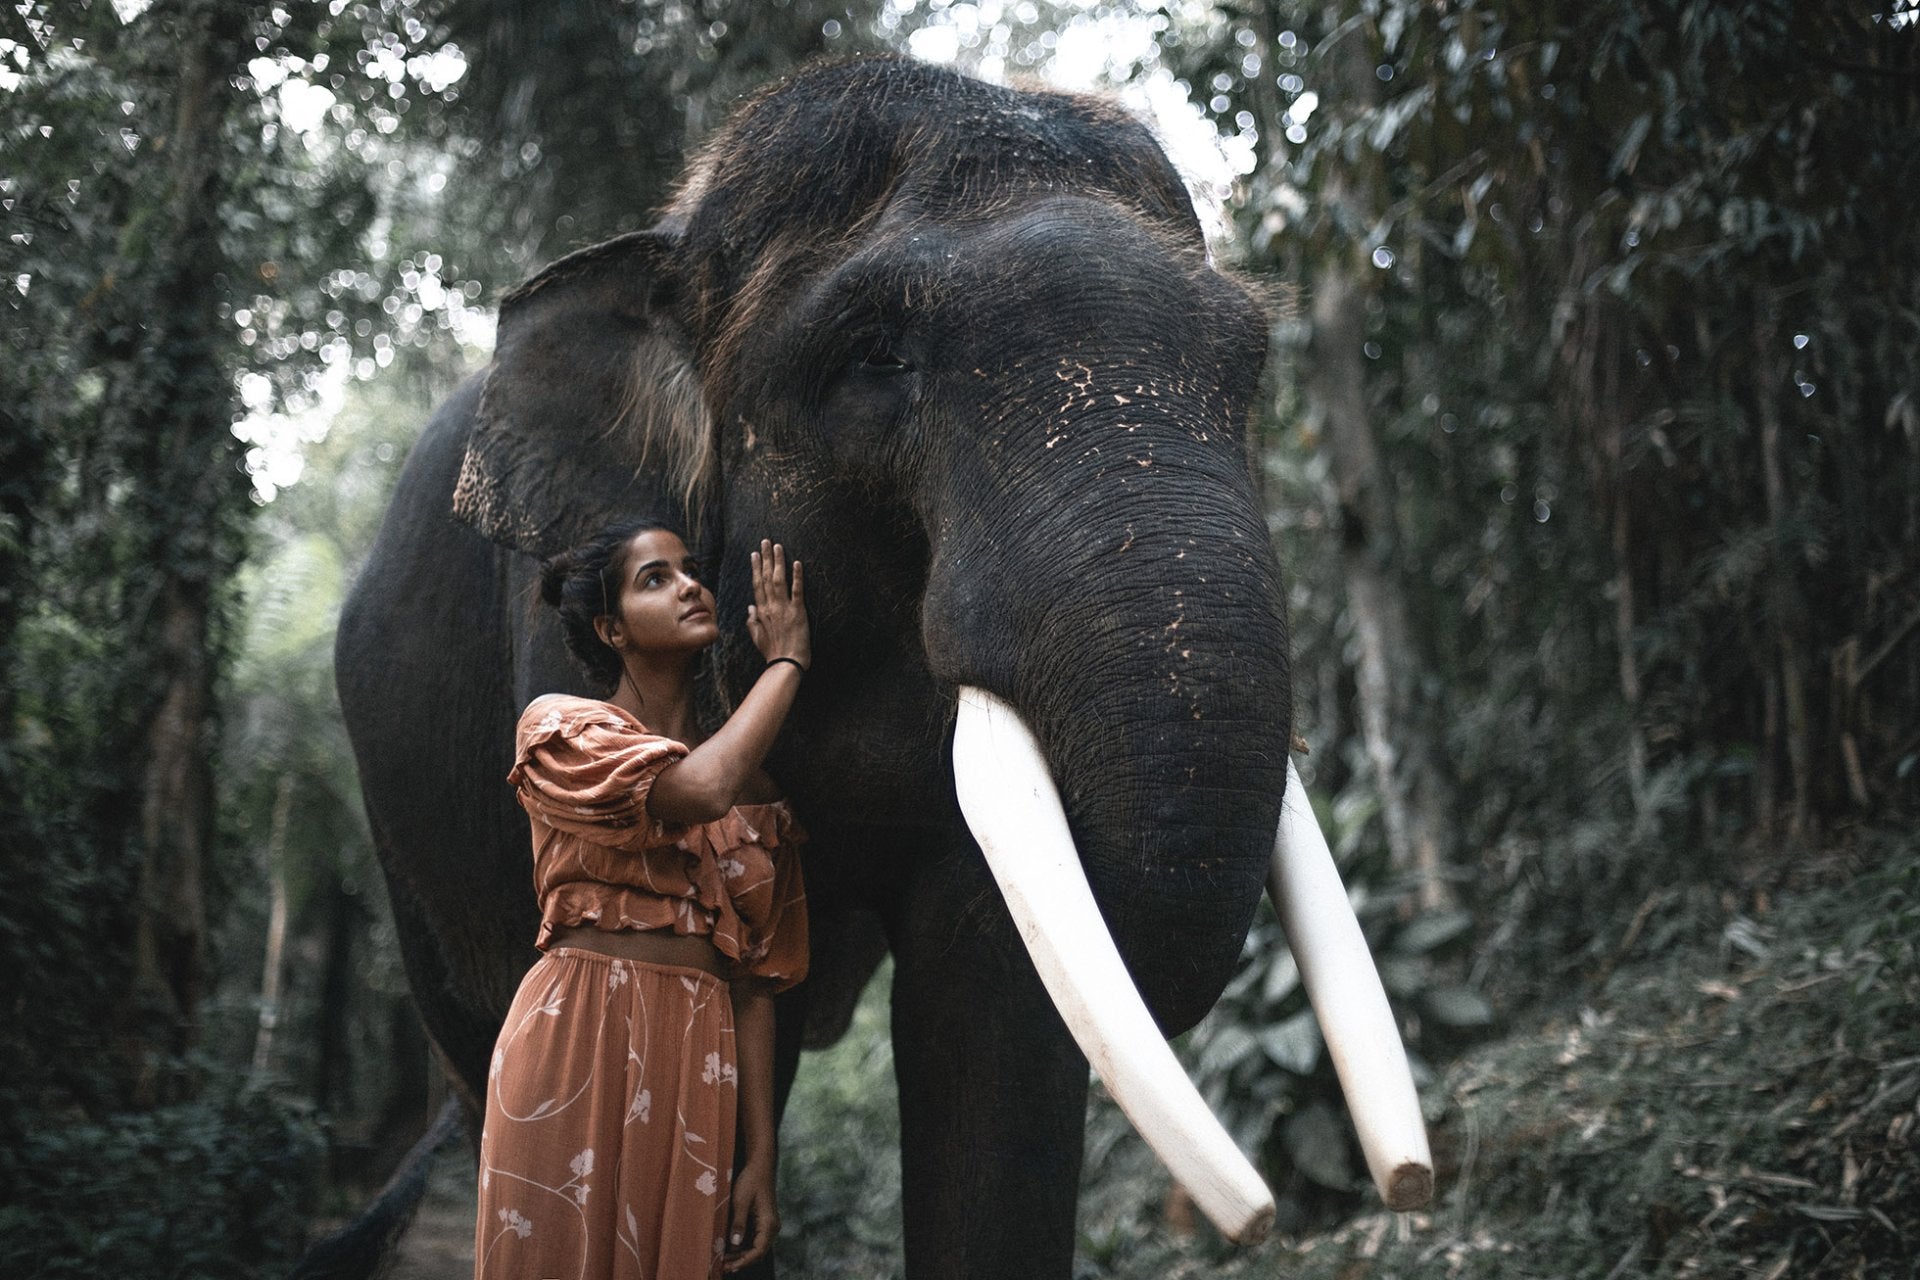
{"points": [[1339, 974], [1015, 815]]}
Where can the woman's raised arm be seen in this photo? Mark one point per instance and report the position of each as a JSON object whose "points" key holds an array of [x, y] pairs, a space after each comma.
{"points": [[714, 775]]}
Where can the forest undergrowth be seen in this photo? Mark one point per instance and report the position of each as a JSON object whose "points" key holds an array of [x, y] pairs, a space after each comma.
{"points": [[1737, 1096]]}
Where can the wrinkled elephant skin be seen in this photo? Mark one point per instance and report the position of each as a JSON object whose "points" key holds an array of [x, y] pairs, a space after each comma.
{"points": [[961, 349]]}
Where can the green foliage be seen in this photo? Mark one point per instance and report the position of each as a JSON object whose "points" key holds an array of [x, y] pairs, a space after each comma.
{"points": [[130, 508], [1737, 1099], [1740, 1100], [588, 107], [337, 1031], [1260, 1063], [840, 1153], [1640, 286], [154, 255], [209, 1189]]}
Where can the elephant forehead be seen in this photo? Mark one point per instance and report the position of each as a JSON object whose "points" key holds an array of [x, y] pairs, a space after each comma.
{"points": [[1119, 302], [1077, 265], [831, 148]]}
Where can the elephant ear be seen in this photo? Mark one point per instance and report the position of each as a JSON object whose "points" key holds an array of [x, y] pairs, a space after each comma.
{"points": [[591, 410]]}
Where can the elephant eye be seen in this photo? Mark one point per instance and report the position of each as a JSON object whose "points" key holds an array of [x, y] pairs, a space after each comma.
{"points": [[883, 360]]}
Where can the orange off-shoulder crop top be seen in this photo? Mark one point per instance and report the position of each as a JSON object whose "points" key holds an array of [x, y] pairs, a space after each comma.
{"points": [[582, 770]]}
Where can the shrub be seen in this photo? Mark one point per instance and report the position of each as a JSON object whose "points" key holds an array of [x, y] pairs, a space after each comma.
{"points": [[207, 1189]]}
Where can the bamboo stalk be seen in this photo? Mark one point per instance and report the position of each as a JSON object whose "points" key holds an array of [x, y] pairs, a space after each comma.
{"points": [[276, 927]]}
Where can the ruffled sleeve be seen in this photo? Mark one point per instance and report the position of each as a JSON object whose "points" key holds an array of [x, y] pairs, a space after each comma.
{"points": [[586, 768], [762, 925]]}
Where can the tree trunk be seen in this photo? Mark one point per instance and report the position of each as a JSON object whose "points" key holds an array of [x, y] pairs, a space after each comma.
{"points": [[1625, 621], [175, 810], [1786, 609], [333, 1065], [176, 402], [1411, 794], [1415, 800]]}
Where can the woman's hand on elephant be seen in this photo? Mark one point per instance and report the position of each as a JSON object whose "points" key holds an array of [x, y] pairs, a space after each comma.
{"points": [[777, 619]]}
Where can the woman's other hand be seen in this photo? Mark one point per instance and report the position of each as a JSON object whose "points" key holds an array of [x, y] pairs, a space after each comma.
{"points": [[777, 618], [754, 1220]]}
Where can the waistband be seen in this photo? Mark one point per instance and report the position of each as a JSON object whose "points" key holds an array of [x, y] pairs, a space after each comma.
{"points": [[582, 955], [654, 946]]}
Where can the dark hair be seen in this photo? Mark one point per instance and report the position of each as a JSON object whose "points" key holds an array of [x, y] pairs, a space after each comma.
{"points": [[582, 583]]}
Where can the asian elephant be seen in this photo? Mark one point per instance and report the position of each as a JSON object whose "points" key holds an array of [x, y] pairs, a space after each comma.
{"points": [[960, 347]]}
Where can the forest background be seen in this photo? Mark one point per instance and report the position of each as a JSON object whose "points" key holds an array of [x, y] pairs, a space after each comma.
{"points": [[1592, 452]]}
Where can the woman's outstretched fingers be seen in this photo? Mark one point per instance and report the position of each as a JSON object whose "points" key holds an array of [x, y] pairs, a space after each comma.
{"points": [[777, 620]]}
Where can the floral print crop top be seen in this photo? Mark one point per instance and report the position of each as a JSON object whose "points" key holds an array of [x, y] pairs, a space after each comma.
{"points": [[582, 770]]}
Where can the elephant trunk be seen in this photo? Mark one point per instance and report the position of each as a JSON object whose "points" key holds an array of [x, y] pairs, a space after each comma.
{"points": [[1000, 779], [1149, 661]]}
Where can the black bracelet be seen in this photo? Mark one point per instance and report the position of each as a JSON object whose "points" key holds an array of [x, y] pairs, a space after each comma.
{"points": [[794, 661]]}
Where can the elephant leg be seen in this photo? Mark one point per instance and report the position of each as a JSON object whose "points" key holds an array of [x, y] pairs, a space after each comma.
{"points": [[789, 1031], [992, 1088], [462, 1036]]}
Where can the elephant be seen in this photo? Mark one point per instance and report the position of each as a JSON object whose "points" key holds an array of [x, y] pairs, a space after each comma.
{"points": [[961, 348]]}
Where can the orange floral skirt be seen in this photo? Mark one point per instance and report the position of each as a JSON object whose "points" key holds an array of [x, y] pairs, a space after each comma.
{"points": [[607, 1152]]}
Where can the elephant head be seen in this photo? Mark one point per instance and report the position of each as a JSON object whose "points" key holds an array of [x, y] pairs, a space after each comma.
{"points": [[961, 348]]}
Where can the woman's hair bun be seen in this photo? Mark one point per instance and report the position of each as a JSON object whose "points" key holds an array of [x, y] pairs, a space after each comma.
{"points": [[554, 571]]}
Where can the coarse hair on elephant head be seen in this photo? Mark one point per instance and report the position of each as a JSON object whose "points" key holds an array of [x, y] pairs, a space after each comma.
{"points": [[581, 584], [961, 348]]}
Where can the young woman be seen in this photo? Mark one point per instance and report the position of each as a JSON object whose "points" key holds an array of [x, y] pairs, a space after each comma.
{"points": [[671, 911]]}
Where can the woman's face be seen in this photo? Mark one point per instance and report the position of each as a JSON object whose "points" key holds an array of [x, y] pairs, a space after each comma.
{"points": [[663, 606]]}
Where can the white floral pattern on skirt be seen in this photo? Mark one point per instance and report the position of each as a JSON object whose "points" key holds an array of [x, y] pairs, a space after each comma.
{"points": [[607, 1150]]}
